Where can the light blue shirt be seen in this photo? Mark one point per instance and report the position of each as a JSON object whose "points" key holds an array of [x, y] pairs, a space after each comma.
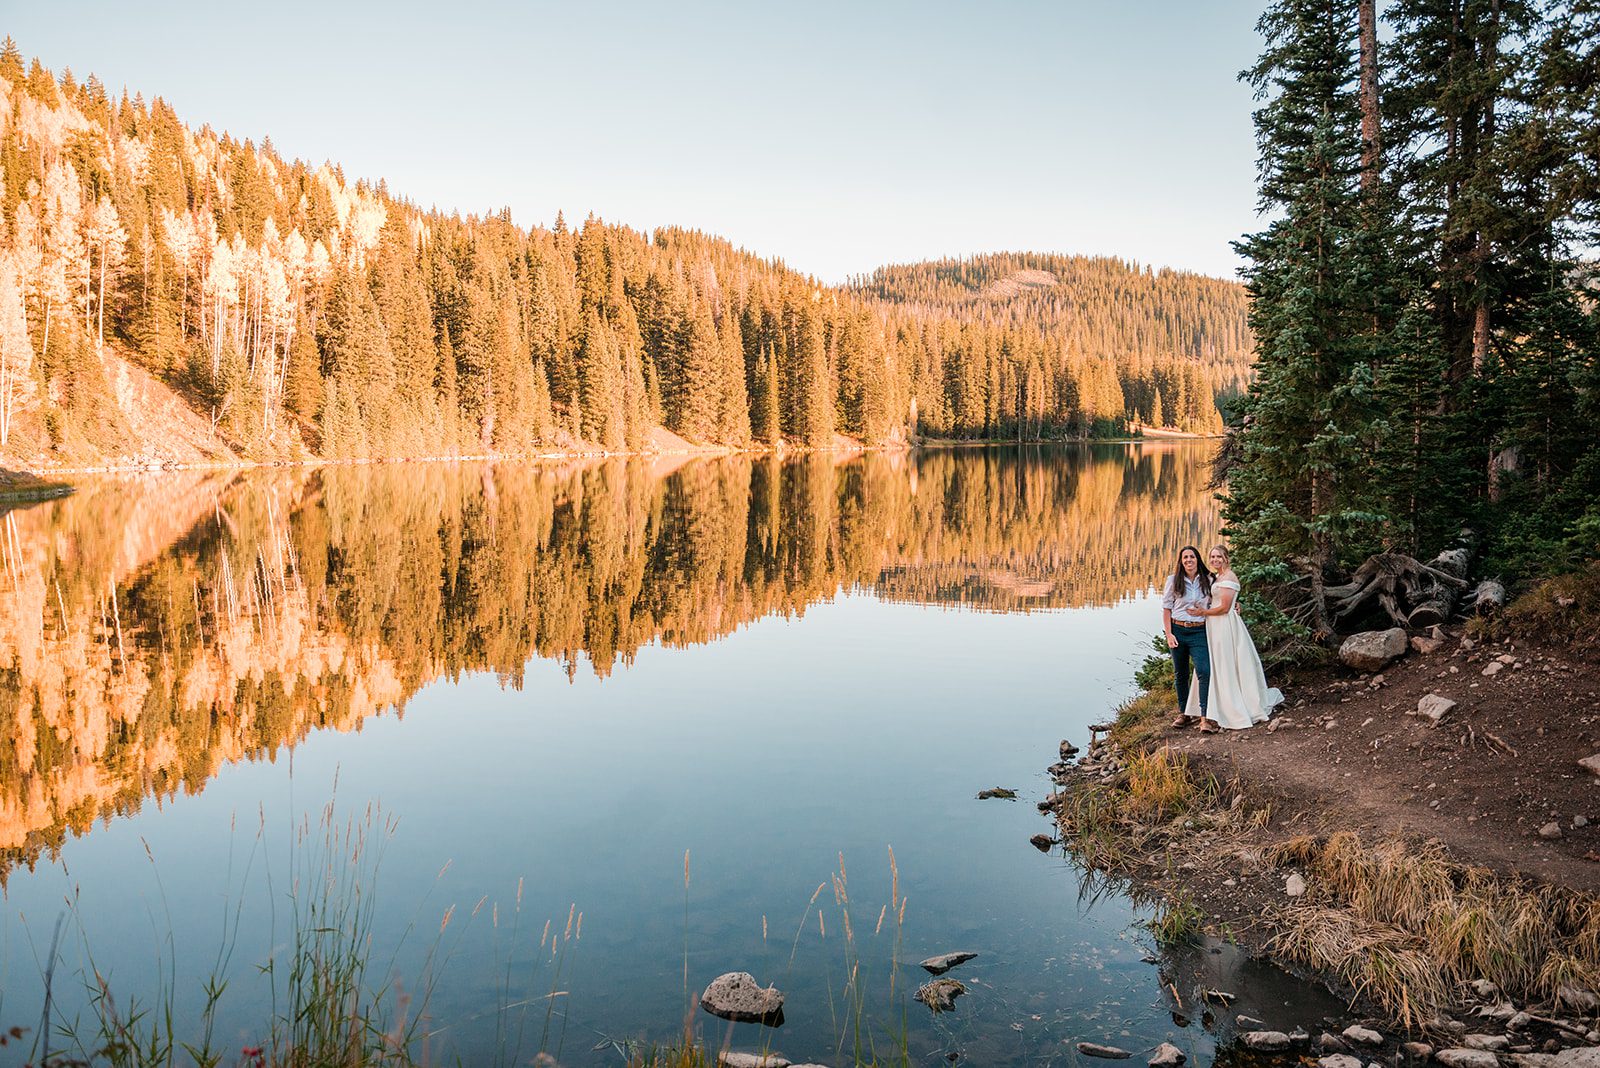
{"points": [[1188, 605]]}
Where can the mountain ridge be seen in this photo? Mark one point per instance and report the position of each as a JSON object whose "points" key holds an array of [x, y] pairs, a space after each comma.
{"points": [[298, 316]]}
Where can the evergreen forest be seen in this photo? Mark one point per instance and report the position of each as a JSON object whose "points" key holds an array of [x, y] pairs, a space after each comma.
{"points": [[1423, 292], [170, 292]]}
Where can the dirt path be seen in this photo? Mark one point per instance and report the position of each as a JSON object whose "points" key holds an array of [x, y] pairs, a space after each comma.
{"points": [[1344, 754]]}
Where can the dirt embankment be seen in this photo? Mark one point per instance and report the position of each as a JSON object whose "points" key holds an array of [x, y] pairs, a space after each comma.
{"points": [[1348, 751], [1412, 862]]}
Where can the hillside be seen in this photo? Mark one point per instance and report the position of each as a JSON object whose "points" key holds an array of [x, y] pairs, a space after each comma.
{"points": [[169, 294], [1176, 339]]}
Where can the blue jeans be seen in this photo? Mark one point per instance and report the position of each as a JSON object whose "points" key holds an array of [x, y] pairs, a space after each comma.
{"points": [[1191, 647]]}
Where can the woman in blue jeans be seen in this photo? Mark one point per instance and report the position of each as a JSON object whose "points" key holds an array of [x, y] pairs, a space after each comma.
{"points": [[1183, 606]]}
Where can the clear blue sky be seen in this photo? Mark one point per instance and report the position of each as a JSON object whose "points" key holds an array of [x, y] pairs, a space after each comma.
{"points": [[837, 136]]}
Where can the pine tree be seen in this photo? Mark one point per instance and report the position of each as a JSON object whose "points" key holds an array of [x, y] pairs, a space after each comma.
{"points": [[1293, 497]]}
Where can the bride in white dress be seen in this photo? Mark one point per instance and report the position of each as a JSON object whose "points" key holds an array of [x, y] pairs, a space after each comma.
{"points": [[1239, 696]]}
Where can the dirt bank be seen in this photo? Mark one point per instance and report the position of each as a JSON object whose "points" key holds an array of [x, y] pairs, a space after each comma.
{"points": [[1348, 752], [1400, 859]]}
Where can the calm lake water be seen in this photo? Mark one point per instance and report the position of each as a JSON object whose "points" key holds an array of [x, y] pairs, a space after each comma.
{"points": [[544, 687]]}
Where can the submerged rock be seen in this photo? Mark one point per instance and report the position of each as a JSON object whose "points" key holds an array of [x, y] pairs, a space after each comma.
{"points": [[945, 961], [940, 995], [1265, 1041], [1167, 1055], [1373, 650], [998, 791], [1110, 1053], [1420, 1050], [1042, 842], [729, 1059], [738, 997]]}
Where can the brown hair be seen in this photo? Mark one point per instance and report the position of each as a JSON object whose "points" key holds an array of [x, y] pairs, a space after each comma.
{"points": [[1202, 572]]}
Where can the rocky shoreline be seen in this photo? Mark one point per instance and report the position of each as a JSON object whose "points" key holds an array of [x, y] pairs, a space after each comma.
{"points": [[1297, 851]]}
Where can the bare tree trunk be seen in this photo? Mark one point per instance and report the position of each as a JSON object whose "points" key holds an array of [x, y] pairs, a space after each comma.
{"points": [[1371, 137], [100, 309]]}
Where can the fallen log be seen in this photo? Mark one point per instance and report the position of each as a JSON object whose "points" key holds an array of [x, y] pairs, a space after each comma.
{"points": [[1488, 598], [1394, 580]]}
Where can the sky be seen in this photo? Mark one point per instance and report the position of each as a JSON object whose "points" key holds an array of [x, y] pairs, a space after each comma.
{"points": [[834, 136]]}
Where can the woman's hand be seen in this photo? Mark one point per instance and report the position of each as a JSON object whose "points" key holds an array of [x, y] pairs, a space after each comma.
{"points": [[1172, 642]]}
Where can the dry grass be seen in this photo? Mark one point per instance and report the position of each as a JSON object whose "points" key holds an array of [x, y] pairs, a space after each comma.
{"points": [[1112, 824], [1549, 611], [1141, 720], [1403, 924]]}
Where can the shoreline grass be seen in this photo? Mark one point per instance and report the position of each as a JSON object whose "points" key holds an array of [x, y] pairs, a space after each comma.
{"points": [[1395, 924]]}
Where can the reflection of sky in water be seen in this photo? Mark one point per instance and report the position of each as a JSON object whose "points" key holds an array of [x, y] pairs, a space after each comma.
{"points": [[766, 754]]}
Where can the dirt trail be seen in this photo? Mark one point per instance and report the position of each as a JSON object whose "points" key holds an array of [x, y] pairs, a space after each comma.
{"points": [[1344, 754]]}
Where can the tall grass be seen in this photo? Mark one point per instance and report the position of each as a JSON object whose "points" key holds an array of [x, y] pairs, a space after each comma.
{"points": [[331, 1003], [1404, 924]]}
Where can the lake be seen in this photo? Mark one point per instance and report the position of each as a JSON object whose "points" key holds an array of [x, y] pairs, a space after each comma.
{"points": [[698, 716]]}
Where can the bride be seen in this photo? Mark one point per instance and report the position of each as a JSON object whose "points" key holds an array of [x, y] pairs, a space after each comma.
{"points": [[1239, 695]]}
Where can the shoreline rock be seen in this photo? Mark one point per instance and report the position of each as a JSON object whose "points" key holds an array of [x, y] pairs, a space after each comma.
{"points": [[738, 997]]}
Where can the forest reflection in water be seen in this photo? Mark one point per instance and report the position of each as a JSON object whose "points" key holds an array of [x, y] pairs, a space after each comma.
{"points": [[158, 628]]}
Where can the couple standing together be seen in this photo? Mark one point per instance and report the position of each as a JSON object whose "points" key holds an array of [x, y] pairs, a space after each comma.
{"points": [[1199, 611]]}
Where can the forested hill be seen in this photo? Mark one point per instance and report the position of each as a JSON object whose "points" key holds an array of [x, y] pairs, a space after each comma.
{"points": [[168, 292], [1176, 339]]}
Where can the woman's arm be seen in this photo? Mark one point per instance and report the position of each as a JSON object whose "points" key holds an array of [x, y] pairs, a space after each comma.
{"points": [[1166, 625], [1223, 602]]}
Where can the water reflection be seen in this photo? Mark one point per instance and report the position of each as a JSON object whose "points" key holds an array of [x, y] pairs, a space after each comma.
{"points": [[159, 628]]}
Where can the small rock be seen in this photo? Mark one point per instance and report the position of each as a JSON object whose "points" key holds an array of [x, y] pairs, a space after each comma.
{"points": [[1300, 1037], [1495, 1043], [1265, 1041], [1294, 885], [1426, 646], [1327, 1041], [1338, 1060], [751, 1060], [1221, 997], [737, 996], [1110, 1053], [1248, 1021], [1572, 997], [1485, 989], [1467, 1058], [1578, 1057], [940, 995], [1435, 707], [1167, 1055], [1519, 1022], [1591, 764], [1500, 1010], [1420, 1050], [1580, 821], [1364, 1036], [1550, 830], [1373, 650], [1042, 842], [945, 961], [1494, 668], [998, 791], [1068, 750]]}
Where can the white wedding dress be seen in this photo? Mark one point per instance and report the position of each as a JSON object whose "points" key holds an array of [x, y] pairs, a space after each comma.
{"points": [[1239, 696]]}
